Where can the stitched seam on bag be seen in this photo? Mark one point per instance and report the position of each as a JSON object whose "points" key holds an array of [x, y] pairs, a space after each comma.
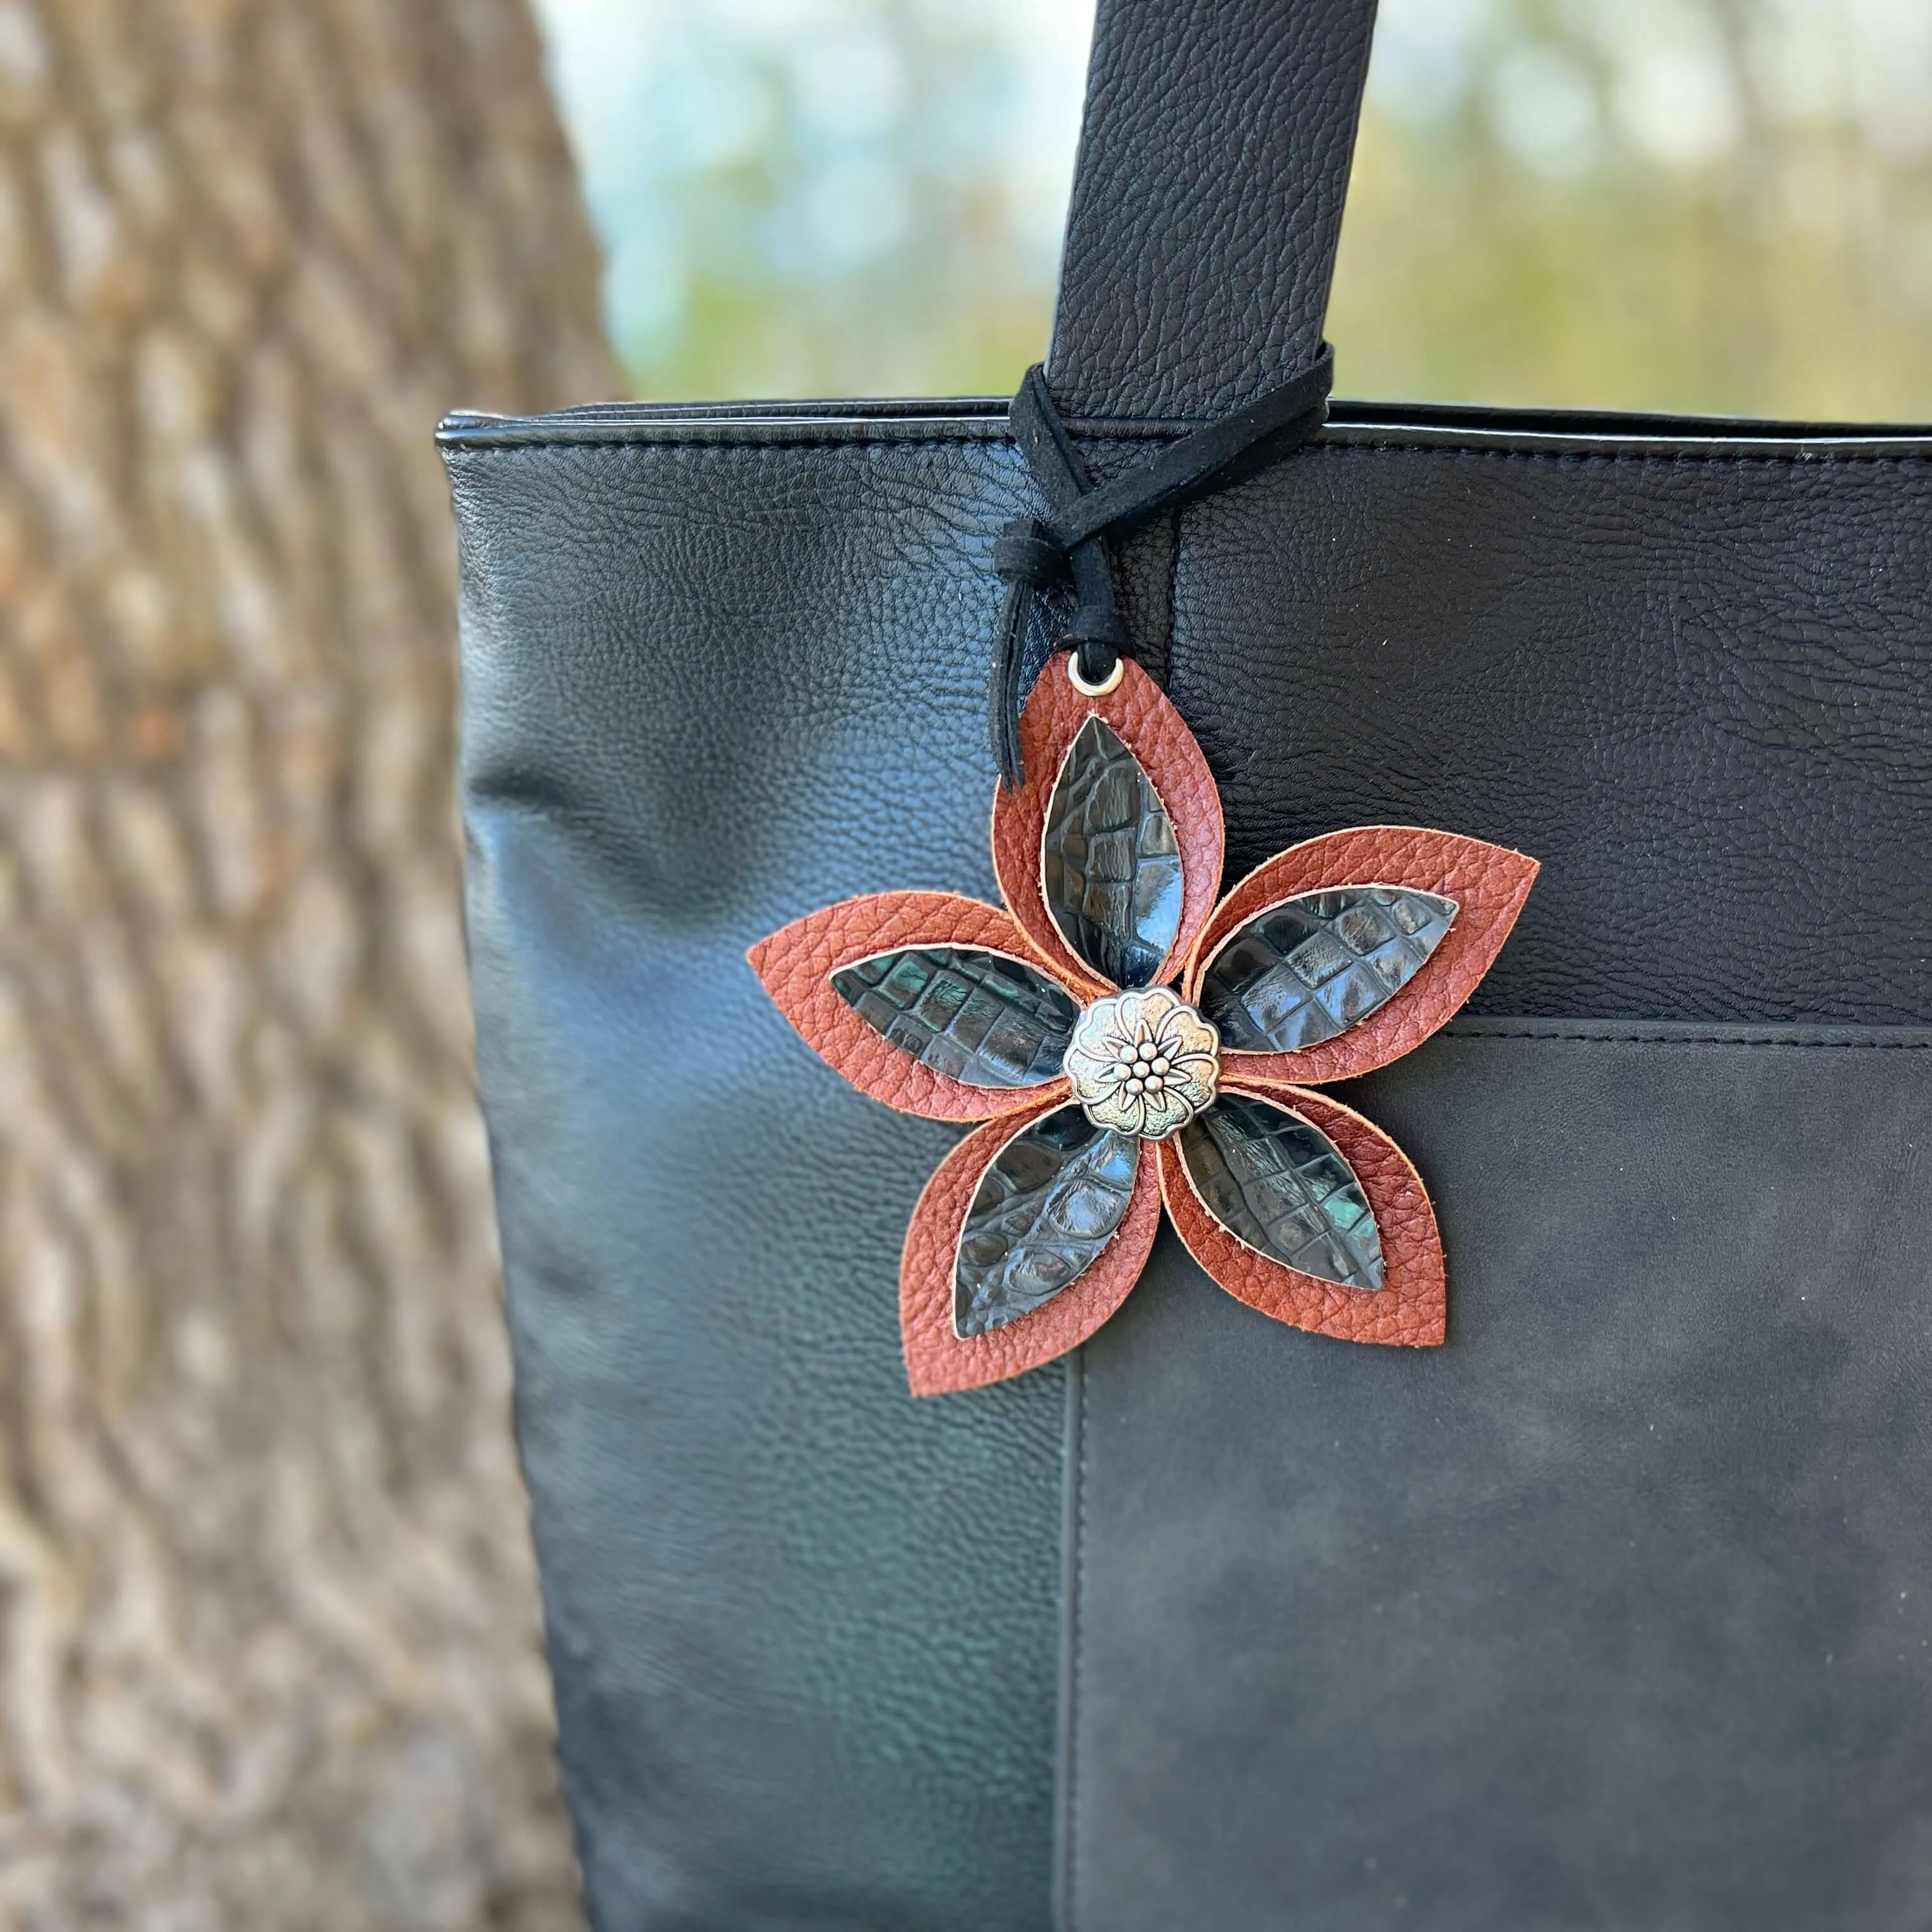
{"points": [[1806, 458], [1077, 1624], [1608, 1038], [735, 445]]}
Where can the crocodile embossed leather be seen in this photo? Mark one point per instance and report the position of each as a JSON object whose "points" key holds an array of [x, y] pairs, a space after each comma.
{"points": [[1315, 966], [1281, 1185], [987, 1021], [1054, 1196], [1110, 870], [1134, 1041]]}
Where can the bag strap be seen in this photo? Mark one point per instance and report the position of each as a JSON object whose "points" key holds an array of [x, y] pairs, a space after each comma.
{"points": [[1207, 199]]}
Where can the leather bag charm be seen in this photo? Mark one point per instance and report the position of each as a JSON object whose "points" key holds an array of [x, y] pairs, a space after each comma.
{"points": [[1129, 1042]]}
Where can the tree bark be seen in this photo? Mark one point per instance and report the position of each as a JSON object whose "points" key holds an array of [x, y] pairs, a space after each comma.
{"points": [[268, 1643]]}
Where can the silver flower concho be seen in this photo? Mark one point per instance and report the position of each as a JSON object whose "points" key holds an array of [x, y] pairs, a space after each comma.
{"points": [[1144, 1062]]}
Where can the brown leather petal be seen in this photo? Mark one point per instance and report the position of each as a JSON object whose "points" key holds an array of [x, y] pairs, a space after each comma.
{"points": [[796, 964], [1488, 883], [938, 1361], [1409, 1310], [1139, 713]]}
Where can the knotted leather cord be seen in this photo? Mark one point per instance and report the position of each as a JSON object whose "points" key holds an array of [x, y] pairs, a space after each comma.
{"points": [[1034, 554]]}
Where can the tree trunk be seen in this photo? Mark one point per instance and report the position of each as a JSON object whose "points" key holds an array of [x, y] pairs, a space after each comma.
{"points": [[269, 1650]]}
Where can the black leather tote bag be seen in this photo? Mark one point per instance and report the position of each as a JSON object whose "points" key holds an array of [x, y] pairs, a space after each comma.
{"points": [[1613, 1611]]}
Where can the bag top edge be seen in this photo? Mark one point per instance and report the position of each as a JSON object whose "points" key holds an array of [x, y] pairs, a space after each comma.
{"points": [[983, 418]]}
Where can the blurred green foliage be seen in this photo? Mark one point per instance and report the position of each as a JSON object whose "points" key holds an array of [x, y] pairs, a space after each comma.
{"points": [[824, 196], [1719, 206]]}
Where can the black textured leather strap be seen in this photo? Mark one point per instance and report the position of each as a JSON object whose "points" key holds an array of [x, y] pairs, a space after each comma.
{"points": [[1206, 201]]}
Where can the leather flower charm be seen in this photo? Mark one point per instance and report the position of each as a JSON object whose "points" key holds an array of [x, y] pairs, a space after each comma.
{"points": [[1129, 1042]]}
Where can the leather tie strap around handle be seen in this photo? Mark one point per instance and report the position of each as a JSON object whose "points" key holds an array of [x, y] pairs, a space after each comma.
{"points": [[1034, 554]]}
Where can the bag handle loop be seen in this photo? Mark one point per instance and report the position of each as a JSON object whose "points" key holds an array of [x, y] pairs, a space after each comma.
{"points": [[1207, 204], [1034, 554]]}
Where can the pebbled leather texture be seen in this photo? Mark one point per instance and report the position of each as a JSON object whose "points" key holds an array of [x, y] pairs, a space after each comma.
{"points": [[1318, 964], [1140, 717], [1052, 1199], [1409, 1311], [1683, 672], [1611, 659], [938, 1361], [1111, 864], [802, 1628], [980, 1018], [1272, 1179], [1206, 201], [1613, 1615], [1488, 883]]}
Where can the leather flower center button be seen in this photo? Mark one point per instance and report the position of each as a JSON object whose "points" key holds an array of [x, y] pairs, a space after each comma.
{"points": [[1144, 1062]]}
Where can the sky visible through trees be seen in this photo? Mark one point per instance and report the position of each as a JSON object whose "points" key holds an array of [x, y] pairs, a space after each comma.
{"points": [[1701, 205]]}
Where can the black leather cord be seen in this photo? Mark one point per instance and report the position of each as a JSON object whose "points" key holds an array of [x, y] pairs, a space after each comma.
{"points": [[1034, 554]]}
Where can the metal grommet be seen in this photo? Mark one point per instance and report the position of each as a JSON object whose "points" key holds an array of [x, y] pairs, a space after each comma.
{"points": [[1111, 682]]}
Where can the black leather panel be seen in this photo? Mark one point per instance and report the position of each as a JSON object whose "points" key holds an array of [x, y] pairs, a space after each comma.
{"points": [[803, 1628], [1698, 688], [1615, 1614], [1206, 201]]}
